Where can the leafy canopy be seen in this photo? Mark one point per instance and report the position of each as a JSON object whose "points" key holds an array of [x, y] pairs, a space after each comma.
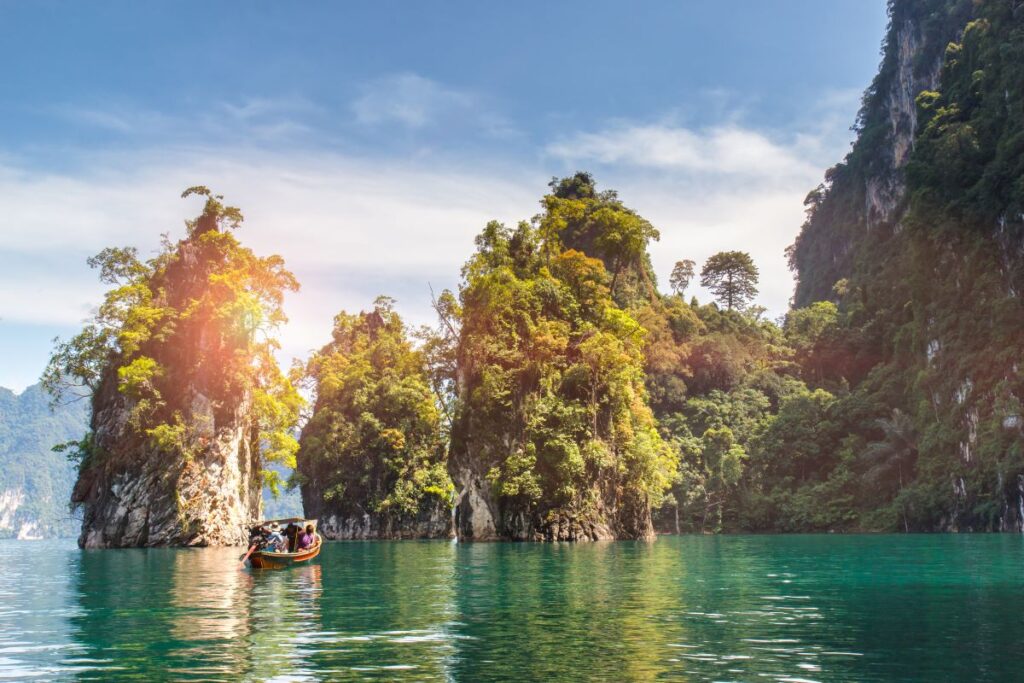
{"points": [[732, 278]]}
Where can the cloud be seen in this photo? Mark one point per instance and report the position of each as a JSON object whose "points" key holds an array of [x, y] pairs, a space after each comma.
{"points": [[350, 228], [410, 100], [718, 188], [244, 119], [728, 150]]}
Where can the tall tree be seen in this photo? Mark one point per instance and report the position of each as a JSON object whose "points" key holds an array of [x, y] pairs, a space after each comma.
{"points": [[577, 216], [732, 278], [681, 276]]}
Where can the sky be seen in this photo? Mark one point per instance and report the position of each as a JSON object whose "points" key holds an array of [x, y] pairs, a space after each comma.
{"points": [[368, 143]]}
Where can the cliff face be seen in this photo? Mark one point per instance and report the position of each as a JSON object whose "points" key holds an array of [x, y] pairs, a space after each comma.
{"points": [[861, 202], [482, 514], [552, 437], [203, 488], [433, 520], [141, 497], [924, 220], [35, 482]]}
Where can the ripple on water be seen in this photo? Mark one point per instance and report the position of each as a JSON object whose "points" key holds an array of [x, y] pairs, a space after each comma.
{"points": [[788, 609]]}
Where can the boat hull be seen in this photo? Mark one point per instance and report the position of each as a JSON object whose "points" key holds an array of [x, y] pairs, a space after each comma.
{"points": [[265, 560]]}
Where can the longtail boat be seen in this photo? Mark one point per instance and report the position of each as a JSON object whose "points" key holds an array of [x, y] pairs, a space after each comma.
{"points": [[262, 558]]}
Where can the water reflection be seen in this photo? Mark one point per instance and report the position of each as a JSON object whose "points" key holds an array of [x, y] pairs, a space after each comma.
{"points": [[733, 608]]}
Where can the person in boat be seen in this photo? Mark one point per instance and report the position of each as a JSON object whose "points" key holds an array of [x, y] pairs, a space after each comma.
{"points": [[308, 539], [276, 542]]}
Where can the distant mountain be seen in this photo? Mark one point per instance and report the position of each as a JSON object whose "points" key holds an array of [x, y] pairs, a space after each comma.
{"points": [[287, 504], [35, 482]]}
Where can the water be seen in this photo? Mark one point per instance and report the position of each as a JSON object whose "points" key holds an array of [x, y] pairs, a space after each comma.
{"points": [[743, 608]]}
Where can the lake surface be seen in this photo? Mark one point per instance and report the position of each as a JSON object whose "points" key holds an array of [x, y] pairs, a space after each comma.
{"points": [[742, 608]]}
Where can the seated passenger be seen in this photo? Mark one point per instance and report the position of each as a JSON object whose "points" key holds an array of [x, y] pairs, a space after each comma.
{"points": [[308, 539], [276, 543]]}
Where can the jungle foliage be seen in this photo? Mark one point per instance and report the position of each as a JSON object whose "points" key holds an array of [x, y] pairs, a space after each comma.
{"points": [[374, 442], [199, 317], [551, 365]]}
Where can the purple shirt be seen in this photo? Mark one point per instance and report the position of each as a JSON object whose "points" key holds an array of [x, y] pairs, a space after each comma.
{"points": [[306, 540]]}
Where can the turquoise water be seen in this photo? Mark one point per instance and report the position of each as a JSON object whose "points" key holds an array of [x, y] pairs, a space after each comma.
{"points": [[743, 608]]}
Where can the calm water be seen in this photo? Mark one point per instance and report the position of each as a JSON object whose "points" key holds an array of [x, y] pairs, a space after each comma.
{"points": [[744, 608]]}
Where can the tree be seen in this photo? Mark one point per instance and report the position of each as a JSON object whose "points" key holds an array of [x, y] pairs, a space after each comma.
{"points": [[895, 453], [576, 216], [373, 444], [723, 464], [551, 418], [681, 276], [732, 278]]}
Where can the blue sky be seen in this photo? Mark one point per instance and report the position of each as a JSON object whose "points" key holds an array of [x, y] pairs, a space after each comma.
{"points": [[368, 143]]}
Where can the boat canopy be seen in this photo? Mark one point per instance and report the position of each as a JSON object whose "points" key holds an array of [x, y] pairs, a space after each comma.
{"points": [[298, 521]]}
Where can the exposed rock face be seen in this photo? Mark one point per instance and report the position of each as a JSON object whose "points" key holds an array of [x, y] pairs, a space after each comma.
{"points": [[483, 515], [138, 496], [35, 481], [435, 522], [480, 515], [924, 226], [866, 194], [201, 485]]}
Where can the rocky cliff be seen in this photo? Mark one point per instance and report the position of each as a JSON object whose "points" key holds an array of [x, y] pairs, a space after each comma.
{"points": [[187, 401], [862, 199], [134, 492], [918, 237], [552, 437]]}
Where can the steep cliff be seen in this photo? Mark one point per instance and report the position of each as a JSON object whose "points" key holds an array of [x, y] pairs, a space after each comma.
{"points": [[371, 460], [552, 437], [187, 400], [923, 227], [860, 204]]}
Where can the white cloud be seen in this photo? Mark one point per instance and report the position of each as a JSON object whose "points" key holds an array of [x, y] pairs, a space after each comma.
{"points": [[245, 119], [354, 227], [719, 188], [728, 150], [349, 228], [410, 100]]}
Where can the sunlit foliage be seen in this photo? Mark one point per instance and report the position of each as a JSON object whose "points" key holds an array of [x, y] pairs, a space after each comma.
{"points": [[373, 443], [197, 319], [551, 383]]}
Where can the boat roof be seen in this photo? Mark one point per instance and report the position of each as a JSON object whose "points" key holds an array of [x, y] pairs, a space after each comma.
{"points": [[287, 520]]}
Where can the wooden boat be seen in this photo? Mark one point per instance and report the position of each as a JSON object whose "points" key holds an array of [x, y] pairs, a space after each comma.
{"points": [[264, 559]]}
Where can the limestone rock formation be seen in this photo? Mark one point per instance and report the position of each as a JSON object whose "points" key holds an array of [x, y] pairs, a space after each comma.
{"points": [[188, 403]]}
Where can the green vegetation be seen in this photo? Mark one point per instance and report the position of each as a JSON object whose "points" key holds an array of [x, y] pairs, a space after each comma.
{"points": [[197, 320], [30, 472], [551, 405], [682, 274], [373, 444], [921, 340], [569, 397], [732, 278]]}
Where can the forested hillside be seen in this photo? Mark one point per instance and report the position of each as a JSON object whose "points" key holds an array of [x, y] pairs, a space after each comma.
{"points": [[35, 482], [189, 406], [916, 236]]}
